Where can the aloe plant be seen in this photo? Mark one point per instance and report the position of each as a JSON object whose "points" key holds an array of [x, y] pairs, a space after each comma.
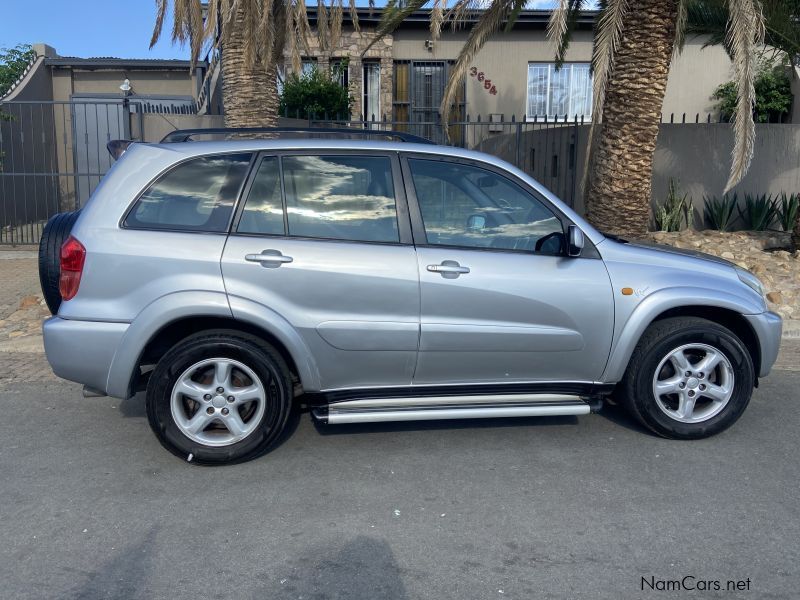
{"points": [[788, 209], [759, 212], [676, 210], [720, 211]]}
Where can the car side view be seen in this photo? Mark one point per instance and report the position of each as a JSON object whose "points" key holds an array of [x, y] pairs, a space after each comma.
{"points": [[380, 279]]}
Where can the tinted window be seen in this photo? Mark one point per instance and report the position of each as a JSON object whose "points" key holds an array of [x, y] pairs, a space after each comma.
{"points": [[263, 210], [197, 195], [340, 197], [462, 205]]}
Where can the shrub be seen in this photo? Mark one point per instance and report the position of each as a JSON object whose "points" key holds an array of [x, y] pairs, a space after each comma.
{"points": [[314, 94], [720, 211], [788, 209], [773, 96], [675, 210], [759, 212]]}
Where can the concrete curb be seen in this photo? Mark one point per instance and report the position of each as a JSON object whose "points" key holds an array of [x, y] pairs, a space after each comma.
{"points": [[18, 254], [791, 329]]}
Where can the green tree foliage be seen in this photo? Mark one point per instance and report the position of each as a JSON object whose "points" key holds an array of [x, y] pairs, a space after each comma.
{"points": [[315, 93], [773, 96], [13, 62]]}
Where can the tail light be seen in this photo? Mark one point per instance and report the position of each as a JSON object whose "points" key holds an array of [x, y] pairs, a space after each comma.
{"points": [[73, 254]]}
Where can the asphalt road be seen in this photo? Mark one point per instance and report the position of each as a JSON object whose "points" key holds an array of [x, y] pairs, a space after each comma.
{"points": [[92, 507]]}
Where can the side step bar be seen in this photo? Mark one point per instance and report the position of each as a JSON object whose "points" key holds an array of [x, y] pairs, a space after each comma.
{"points": [[373, 410]]}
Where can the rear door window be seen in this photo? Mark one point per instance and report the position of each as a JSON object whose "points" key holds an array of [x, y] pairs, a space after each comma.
{"points": [[341, 198], [263, 209], [197, 195]]}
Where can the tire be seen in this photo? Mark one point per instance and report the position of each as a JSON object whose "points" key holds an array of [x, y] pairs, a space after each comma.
{"points": [[55, 231], [217, 437], [692, 406]]}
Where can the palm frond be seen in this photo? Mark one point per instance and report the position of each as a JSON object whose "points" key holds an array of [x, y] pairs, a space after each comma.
{"points": [[354, 15], [557, 26], [303, 31], [335, 23], [560, 27], [745, 35], [322, 25], [708, 18], [393, 15], [490, 21], [211, 19], [437, 18], [161, 12], [607, 38], [680, 27]]}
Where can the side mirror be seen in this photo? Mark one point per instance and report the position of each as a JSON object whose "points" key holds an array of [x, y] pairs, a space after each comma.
{"points": [[575, 241]]}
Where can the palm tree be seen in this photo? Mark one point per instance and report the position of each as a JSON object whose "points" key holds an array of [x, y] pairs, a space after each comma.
{"points": [[634, 44], [253, 36]]}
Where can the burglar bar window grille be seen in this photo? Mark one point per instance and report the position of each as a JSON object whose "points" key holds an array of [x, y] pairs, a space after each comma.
{"points": [[566, 91]]}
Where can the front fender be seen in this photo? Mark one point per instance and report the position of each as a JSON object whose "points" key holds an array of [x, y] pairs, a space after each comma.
{"points": [[630, 331]]}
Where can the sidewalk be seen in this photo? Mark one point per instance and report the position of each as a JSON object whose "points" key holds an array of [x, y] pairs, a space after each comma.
{"points": [[22, 311]]}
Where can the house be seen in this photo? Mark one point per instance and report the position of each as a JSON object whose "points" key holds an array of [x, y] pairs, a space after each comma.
{"points": [[51, 77], [75, 105], [402, 76]]}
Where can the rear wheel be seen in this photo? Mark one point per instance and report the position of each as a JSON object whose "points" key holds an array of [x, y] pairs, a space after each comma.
{"points": [[54, 233], [219, 397], [688, 378]]}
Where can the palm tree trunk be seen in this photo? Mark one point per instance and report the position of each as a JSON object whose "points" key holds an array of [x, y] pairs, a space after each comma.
{"points": [[796, 234], [620, 179], [249, 92]]}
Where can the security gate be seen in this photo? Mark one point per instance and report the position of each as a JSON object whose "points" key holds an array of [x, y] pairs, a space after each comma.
{"points": [[53, 155]]}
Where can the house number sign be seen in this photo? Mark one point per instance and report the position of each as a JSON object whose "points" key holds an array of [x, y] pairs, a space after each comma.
{"points": [[481, 76]]}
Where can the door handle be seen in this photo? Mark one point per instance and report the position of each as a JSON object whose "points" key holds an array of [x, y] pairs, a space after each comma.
{"points": [[269, 258], [449, 269]]}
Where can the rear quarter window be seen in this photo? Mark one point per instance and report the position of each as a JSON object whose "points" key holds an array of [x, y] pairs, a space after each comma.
{"points": [[197, 195]]}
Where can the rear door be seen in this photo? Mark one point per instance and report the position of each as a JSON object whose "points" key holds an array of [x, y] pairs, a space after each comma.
{"points": [[324, 240], [500, 300]]}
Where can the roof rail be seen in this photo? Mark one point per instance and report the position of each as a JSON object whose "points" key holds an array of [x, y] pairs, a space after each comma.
{"points": [[185, 135]]}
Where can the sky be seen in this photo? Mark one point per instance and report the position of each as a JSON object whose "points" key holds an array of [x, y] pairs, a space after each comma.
{"points": [[88, 28]]}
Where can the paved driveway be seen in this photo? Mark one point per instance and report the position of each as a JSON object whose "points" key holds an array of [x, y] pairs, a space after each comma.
{"points": [[92, 507]]}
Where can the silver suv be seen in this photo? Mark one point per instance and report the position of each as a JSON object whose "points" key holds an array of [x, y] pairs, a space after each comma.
{"points": [[384, 281]]}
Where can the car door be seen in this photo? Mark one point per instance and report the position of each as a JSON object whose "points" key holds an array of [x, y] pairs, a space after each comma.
{"points": [[323, 240], [500, 300]]}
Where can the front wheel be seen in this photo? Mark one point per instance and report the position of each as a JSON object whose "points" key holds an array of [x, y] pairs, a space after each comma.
{"points": [[688, 378], [219, 397]]}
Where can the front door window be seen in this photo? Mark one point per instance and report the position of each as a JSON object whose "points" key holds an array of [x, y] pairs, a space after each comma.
{"points": [[471, 207]]}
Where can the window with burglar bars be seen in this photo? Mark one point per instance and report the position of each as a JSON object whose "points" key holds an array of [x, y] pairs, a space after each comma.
{"points": [[559, 92], [340, 71]]}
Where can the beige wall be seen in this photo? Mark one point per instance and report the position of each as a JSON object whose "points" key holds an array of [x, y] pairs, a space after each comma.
{"points": [[70, 81], [693, 76]]}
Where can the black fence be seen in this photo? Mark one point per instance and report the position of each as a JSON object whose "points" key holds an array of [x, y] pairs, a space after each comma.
{"points": [[550, 149], [53, 155]]}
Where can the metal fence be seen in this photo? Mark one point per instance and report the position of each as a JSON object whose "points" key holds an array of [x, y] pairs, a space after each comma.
{"points": [[53, 155], [550, 149]]}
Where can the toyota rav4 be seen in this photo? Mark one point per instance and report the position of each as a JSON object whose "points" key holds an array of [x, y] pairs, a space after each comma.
{"points": [[382, 280]]}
